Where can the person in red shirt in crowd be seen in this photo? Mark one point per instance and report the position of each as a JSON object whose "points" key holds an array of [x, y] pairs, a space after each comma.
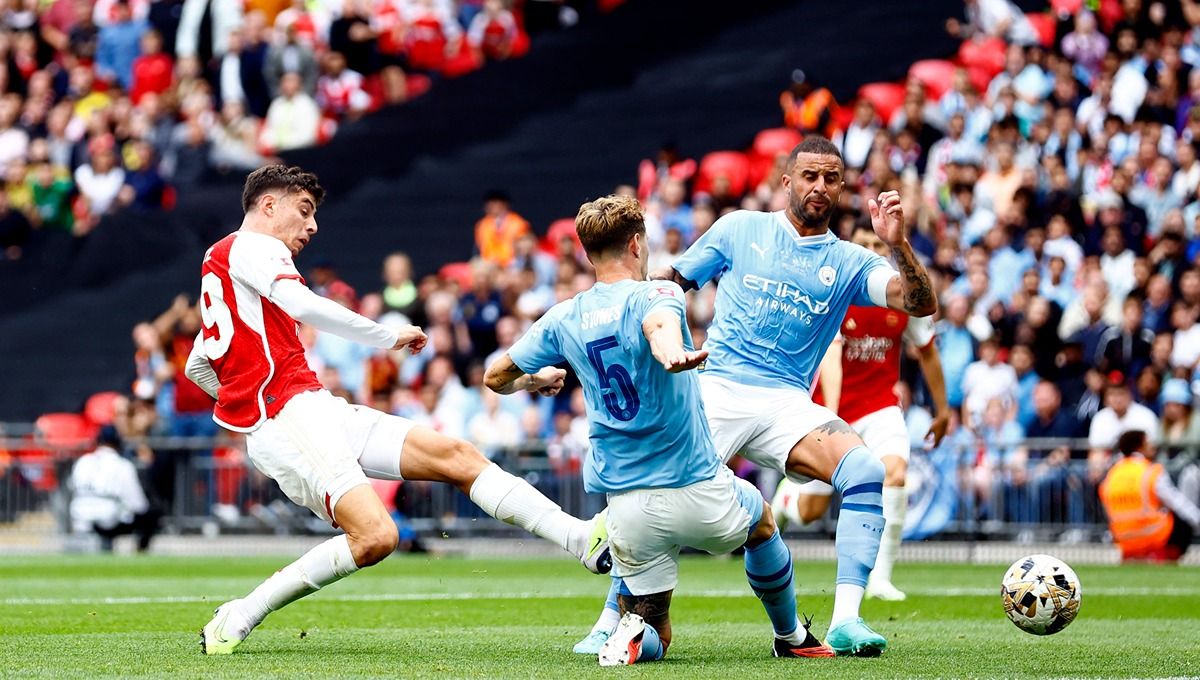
{"points": [[493, 32], [340, 90], [316, 446], [497, 233], [153, 70], [432, 36], [860, 389]]}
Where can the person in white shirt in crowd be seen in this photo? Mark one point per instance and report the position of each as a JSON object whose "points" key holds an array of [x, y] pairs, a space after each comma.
{"points": [[1119, 415], [988, 379], [107, 497], [293, 118], [996, 19], [858, 139], [101, 179]]}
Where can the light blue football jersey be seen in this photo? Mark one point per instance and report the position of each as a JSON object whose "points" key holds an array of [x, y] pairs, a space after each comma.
{"points": [[781, 298], [648, 428]]}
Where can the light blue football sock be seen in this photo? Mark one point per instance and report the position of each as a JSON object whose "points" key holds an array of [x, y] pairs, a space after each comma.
{"points": [[769, 571], [859, 478], [652, 646]]}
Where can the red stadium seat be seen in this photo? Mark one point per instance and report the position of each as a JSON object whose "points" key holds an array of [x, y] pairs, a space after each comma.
{"points": [[887, 98], [416, 84], [69, 430], [937, 75], [462, 63], [100, 408], [842, 117], [774, 141], [734, 165], [457, 272], [986, 54], [1045, 25], [560, 229], [1065, 6]]}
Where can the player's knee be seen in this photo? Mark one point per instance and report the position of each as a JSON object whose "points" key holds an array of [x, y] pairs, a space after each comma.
{"points": [[764, 530], [810, 507], [895, 470], [375, 543], [463, 463], [867, 466]]}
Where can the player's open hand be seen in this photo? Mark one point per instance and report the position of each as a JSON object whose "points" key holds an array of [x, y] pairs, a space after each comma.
{"points": [[937, 430], [685, 361], [887, 218], [548, 381], [411, 337]]}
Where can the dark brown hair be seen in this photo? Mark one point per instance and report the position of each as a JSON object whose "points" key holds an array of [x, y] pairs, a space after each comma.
{"points": [[288, 178]]}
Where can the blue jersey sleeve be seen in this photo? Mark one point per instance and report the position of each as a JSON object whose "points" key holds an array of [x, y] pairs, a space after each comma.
{"points": [[664, 295], [708, 256], [540, 346]]}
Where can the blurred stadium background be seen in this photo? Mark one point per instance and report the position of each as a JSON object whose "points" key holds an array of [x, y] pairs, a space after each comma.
{"points": [[1047, 155]]}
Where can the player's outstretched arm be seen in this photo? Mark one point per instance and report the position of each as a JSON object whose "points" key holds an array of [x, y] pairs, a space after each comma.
{"points": [[505, 377], [324, 314], [931, 367], [665, 334], [831, 375], [199, 370], [912, 292]]}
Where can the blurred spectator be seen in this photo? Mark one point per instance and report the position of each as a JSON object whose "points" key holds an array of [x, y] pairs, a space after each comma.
{"points": [[153, 70], [1180, 426], [986, 380], [107, 497], [293, 118], [291, 57], [101, 179], [993, 18], [14, 229], [493, 32], [1150, 519], [399, 292], [1126, 348], [807, 107], [144, 186], [340, 91], [493, 429], [497, 232], [118, 46]]}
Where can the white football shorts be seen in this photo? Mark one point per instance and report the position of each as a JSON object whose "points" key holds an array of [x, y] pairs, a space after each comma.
{"points": [[647, 527], [884, 432], [318, 447], [761, 423]]}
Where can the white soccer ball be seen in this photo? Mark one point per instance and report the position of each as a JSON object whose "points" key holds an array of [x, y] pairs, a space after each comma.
{"points": [[1041, 594]]}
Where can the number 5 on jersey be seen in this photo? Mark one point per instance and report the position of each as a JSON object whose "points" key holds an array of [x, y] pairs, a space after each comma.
{"points": [[610, 374]]}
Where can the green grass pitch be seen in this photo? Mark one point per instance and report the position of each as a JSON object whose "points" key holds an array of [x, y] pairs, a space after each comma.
{"points": [[416, 617]]}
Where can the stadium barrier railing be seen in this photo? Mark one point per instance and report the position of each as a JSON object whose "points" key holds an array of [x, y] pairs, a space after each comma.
{"points": [[960, 491]]}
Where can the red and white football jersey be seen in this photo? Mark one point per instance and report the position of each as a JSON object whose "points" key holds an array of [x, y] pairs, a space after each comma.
{"points": [[871, 338], [251, 343]]}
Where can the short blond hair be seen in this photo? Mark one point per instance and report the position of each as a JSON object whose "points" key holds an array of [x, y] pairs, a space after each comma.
{"points": [[606, 224]]}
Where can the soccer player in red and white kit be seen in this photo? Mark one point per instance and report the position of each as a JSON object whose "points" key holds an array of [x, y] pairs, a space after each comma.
{"points": [[318, 448], [867, 375]]}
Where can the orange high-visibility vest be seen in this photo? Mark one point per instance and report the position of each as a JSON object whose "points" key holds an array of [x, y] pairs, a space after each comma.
{"points": [[1137, 519], [805, 115]]}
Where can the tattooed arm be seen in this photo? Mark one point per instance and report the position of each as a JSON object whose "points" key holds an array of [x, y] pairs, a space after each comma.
{"points": [[911, 292]]}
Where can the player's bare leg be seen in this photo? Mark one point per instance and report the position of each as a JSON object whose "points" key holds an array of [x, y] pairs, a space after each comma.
{"points": [[836, 454], [895, 504], [370, 537], [431, 456]]}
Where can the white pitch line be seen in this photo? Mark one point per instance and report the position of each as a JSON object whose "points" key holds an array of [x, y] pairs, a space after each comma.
{"points": [[434, 597]]}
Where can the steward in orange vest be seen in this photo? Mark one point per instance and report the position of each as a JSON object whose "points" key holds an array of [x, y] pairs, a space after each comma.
{"points": [[1148, 516]]}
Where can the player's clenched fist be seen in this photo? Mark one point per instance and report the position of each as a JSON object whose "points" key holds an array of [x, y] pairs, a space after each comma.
{"points": [[548, 381], [411, 337]]}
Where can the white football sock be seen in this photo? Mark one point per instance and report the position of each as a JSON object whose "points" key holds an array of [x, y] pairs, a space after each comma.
{"points": [[324, 564], [847, 599], [797, 636], [512, 500], [608, 621], [895, 503]]}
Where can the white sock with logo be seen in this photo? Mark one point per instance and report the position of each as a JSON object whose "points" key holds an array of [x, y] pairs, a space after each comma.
{"points": [[895, 504], [324, 564], [513, 500]]}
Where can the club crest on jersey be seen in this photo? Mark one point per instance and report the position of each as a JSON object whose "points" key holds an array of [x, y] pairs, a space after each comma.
{"points": [[661, 291], [826, 275]]}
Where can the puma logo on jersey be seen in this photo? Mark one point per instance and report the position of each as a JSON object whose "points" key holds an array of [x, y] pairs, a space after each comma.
{"points": [[759, 249]]}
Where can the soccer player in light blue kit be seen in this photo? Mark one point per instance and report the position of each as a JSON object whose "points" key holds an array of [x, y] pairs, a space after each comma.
{"points": [[652, 453], [785, 284]]}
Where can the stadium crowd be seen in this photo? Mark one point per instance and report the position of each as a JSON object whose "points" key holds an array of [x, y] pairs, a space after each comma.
{"points": [[1053, 186], [114, 104]]}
